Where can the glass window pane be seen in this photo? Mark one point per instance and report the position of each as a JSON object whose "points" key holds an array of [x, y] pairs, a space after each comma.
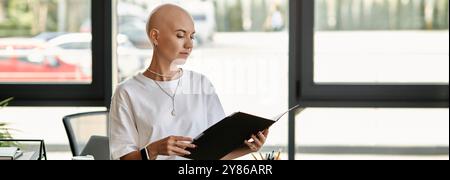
{"points": [[381, 41], [45, 41], [46, 124], [365, 133], [240, 45]]}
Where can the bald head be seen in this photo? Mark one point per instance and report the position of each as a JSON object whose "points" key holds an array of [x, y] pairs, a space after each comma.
{"points": [[168, 16]]}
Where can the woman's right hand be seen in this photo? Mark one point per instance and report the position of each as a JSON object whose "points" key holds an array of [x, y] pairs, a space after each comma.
{"points": [[170, 146]]}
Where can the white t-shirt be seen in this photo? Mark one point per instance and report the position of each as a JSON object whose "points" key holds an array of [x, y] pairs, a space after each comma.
{"points": [[140, 111]]}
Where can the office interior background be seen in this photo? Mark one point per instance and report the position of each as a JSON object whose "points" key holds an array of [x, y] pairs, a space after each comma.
{"points": [[50, 48]]}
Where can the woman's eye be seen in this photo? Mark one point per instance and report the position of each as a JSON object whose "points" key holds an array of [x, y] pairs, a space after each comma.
{"points": [[180, 36]]}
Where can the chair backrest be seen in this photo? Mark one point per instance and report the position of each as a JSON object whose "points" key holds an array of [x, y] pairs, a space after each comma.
{"points": [[88, 133], [98, 147]]}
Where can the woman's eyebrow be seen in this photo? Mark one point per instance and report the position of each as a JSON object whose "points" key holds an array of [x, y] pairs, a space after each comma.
{"points": [[184, 31]]}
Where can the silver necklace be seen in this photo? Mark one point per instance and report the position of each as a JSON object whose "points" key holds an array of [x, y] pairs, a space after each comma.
{"points": [[161, 75], [172, 97]]}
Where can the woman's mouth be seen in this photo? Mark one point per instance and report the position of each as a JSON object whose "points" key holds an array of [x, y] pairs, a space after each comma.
{"points": [[184, 54]]}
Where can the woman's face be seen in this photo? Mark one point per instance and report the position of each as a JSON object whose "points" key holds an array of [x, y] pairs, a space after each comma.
{"points": [[175, 40]]}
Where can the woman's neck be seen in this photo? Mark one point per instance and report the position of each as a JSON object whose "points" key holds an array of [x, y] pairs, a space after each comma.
{"points": [[159, 70]]}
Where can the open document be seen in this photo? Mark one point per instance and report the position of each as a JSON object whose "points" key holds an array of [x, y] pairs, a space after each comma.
{"points": [[229, 134]]}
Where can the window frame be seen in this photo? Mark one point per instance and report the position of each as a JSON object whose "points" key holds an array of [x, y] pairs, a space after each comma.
{"points": [[311, 94], [305, 92], [98, 93]]}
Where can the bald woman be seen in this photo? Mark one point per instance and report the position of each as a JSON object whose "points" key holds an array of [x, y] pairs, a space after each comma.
{"points": [[155, 114]]}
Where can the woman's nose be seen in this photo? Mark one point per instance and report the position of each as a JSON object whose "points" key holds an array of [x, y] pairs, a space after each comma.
{"points": [[189, 44]]}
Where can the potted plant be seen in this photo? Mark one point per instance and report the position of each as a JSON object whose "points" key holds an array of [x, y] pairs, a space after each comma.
{"points": [[4, 133]]}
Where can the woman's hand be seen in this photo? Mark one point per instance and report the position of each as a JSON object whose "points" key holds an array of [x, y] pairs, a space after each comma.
{"points": [[170, 146], [257, 141], [253, 145]]}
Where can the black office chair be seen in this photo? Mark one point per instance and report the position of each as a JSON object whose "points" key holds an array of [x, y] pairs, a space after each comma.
{"points": [[88, 134]]}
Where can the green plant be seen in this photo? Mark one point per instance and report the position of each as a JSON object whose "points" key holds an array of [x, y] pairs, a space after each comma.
{"points": [[4, 131]]}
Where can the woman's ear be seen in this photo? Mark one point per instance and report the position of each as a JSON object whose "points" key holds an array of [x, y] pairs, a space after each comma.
{"points": [[154, 35]]}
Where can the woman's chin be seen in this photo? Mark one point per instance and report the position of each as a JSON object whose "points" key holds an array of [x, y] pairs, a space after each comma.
{"points": [[179, 61]]}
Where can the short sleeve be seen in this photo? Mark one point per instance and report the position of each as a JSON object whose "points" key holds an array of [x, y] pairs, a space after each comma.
{"points": [[123, 132], [215, 112]]}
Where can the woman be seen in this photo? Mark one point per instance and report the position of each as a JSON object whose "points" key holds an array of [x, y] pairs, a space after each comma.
{"points": [[155, 114]]}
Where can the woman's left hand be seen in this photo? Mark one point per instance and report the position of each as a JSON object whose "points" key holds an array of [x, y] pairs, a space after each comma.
{"points": [[257, 141]]}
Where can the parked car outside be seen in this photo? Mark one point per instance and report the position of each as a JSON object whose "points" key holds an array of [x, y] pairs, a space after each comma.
{"points": [[25, 60], [75, 48]]}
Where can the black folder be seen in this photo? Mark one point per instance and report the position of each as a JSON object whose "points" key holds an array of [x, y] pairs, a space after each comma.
{"points": [[228, 135]]}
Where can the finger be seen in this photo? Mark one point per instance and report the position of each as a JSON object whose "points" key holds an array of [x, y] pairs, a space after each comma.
{"points": [[262, 137], [266, 132], [179, 151], [250, 145], [184, 145], [172, 153], [250, 140], [257, 141], [182, 138]]}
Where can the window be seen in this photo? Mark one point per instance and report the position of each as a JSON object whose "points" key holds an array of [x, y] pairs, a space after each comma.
{"points": [[376, 42], [399, 59], [366, 57], [54, 56], [32, 30], [80, 45], [43, 123], [368, 133]]}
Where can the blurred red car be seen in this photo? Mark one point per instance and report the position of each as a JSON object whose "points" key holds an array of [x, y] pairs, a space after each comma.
{"points": [[25, 60]]}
